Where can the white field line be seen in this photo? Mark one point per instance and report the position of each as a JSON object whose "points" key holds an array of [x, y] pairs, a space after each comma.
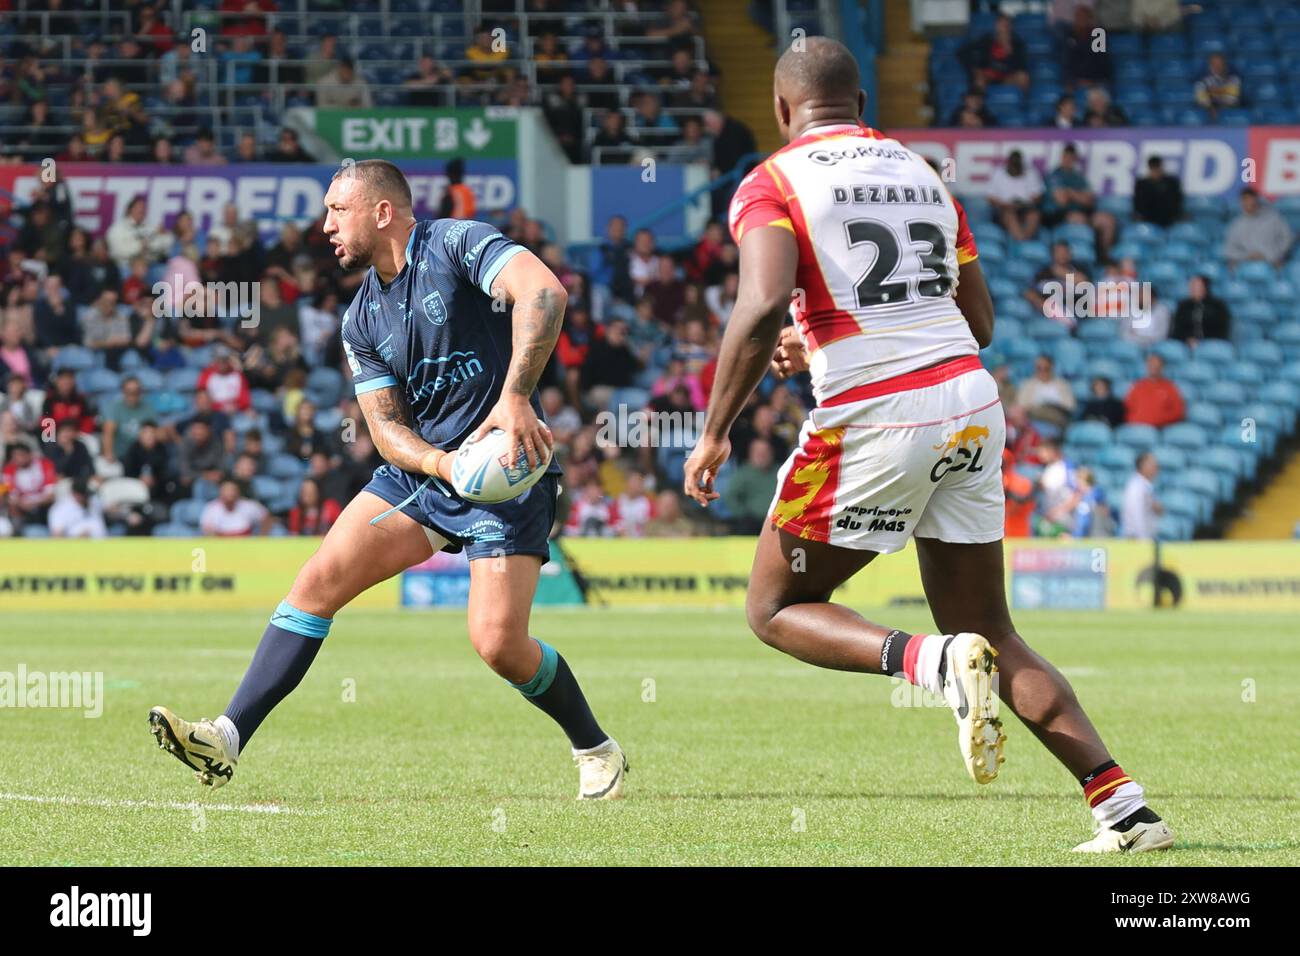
{"points": [[151, 804]]}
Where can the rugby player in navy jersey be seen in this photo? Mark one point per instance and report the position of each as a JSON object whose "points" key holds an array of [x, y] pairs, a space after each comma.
{"points": [[436, 357]]}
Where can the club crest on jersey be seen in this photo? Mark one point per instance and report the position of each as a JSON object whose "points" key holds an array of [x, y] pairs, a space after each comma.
{"points": [[435, 308]]}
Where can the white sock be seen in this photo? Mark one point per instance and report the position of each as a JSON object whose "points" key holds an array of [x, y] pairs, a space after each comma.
{"points": [[927, 662], [596, 749], [1124, 799], [229, 733]]}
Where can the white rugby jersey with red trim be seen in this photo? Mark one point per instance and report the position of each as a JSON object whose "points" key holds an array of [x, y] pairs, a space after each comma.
{"points": [[880, 240]]}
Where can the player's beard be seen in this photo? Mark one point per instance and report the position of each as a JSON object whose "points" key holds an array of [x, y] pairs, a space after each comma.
{"points": [[358, 255]]}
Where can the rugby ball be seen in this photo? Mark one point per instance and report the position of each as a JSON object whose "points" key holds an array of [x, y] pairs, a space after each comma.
{"points": [[489, 471]]}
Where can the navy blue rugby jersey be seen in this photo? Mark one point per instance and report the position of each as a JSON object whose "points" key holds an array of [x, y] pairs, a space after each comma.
{"points": [[432, 331]]}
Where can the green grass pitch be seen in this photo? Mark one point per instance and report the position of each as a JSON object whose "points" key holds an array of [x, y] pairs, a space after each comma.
{"points": [[739, 754]]}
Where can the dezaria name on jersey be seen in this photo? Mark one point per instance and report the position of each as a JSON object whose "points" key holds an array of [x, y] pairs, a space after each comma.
{"points": [[878, 194]]}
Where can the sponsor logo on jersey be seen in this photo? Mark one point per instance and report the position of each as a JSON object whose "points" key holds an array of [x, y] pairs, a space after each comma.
{"points": [[478, 247], [830, 157], [442, 373], [451, 238], [881, 519]]}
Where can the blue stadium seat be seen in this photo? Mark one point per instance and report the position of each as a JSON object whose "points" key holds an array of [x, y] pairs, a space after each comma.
{"points": [[1090, 434], [1256, 272], [1140, 437], [183, 379], [1184, 504], [187, 512], [265, 488], [75, 357], [1263, 353], [1216, 351], [1115, 457], [1204, 481], [173, 530], [35, 531], [1170, 458], [97, 381], [1185, 435], [1206, 414], [1172, 351], [285, 466], [1225, 394]]}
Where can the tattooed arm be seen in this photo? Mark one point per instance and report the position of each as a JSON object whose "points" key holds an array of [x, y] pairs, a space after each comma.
{"points": [[389, 420], [539, 302]]}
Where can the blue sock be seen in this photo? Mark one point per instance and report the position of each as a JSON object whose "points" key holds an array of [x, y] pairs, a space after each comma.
{"points": [[555, 691], [287, 649]]}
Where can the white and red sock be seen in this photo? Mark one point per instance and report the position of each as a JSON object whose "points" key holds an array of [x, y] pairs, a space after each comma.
{"points": [[922, 658], [1112, 794]]}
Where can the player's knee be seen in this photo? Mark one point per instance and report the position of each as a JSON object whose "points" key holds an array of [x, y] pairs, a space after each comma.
{"points": [[501, 646], [759, 612], [317, 584]]}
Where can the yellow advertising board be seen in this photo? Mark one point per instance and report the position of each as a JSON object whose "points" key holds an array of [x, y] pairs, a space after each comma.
{"points": [[158, 574], [255, 573]]}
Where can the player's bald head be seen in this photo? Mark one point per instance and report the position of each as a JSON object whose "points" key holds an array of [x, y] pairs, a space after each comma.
{"points": [[818, 70], [379, 179]]}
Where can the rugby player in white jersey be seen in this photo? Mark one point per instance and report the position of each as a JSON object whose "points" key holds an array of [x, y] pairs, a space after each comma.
{"points": [[857, 237]]}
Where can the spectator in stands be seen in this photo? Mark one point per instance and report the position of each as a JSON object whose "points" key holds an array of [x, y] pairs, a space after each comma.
{"points": [[748, 490], [106, 328], [20, 403], [1100, 111], [486, 52], [1052, 281], [69, 455], [1070, 199], [643, 263], [667, 292], [1048, 398], [344, 88], [78, 514], [203, 151], [124, 417], [550, 57], [1141, 509], [246, 150], [680, 27], [1102, 405], [721, 298], [1058, 490], [633, 507], [1154, 400], [225, 382], [133, 236], [288, 149], [972, 113], [1023, 438], [1219, 88], [1020, 500], [610, 364], [1157, 196], [232, 515], [996, 58], [701, 95], [17, 359], [1015, 191], [64, 401], [1201, 315], [1087, 60], [649, 115], [201, 454], [668, 520], [694, 146], [1259, 233], [593, 513], [613, 141], [323, 62], [31, 480], [576, 339], [42, 236], [304, 439], [313, 514], [563, 109], [427, 86], [563, 420], [600, 74], [458, 200], [732, 141], [1066, 114], [609, 262], [149, 460]]}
